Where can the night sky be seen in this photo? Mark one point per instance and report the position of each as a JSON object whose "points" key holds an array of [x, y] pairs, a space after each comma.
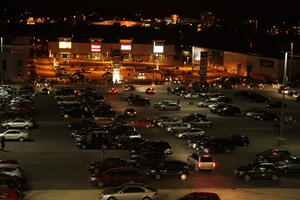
{"points": [[227, 8]]}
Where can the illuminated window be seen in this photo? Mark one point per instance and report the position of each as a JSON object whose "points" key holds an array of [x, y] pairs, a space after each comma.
{"points": [[125, 47]]}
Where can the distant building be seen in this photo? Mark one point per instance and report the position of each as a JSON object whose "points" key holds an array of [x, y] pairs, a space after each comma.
{"points": [[96, 49], [251, 65], [207, 19], [14, 59]]}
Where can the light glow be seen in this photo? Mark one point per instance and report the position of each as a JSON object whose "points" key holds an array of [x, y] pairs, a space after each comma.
{"points": [[158, 49], [65, 45], [95, 47], [125, 47]]}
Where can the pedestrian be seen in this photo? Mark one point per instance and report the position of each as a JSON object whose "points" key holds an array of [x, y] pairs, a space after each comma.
{"points": [[2, 143], [178, 101], [168, 90]]}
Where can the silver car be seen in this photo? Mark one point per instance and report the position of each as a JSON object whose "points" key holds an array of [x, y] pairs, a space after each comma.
{"points": [[18, 123], [15, 134], [130, 191], [13, 170]]}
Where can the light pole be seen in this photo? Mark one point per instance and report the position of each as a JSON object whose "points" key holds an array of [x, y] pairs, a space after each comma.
{"points": [[193, 50], [281, 139]]}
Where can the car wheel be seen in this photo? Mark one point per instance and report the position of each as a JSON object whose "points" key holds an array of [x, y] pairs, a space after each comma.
{"points": [[21, 139], [7, 126], [275, 177], [183, 177], [100, 184], [247, 177], [111, 198], [157, 176], [26, 127], [147, 198]]}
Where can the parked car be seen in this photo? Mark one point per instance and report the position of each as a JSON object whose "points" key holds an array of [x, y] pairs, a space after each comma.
{"points": [[239, 140], [15, 134], [130, 191], [108, 163], [170, 106], [11, 194], [230, 111], [144, 122], [194, 116], [275, 104], [13, 170], [81, 124], [166, 122], [179, 127], [200, 196], [157, 105], [217, 145], [265, 116], [156, 146], [191, 96], [274, 155], [258, 171], [139, 101], [18, 123], [201, 162], [189, 132], [147, 158], [116, 176], [199, 123], [292, 165], [170, 168]]}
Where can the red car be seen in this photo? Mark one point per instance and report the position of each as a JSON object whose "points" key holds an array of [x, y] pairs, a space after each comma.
{"points": [[113, 91], [150, 91], [143, 122], [106, 164], [116, 176], [11, 194]]}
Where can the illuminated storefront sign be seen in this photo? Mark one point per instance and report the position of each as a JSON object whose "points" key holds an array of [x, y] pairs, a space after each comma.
{"points": [[65, 45], [96, 47], [126, 47], [116, 74], [158, 49]]}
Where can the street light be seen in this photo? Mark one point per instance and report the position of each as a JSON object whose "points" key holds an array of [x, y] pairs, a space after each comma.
{"points": [[281, 139]]}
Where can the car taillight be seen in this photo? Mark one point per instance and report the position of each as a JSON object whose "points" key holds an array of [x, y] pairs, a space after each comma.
{"points": [[214, 164], [199, 164], [155, 194]]}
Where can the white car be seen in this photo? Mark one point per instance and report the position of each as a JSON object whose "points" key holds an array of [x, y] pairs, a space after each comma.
{"points": [[18, 123], [130, 191], [15, 134], [168, 122], [170, 106], [191, 131], [191, 96], [201, 162], [13, 170], [175, 128], [202, 123], [208, 102]]}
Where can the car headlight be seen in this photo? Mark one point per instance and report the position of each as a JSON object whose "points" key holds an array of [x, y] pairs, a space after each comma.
{"points": [[281, 166], [241, 173], [152, 171]]}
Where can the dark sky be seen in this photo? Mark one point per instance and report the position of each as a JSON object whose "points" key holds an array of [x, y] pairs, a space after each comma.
{"points": [[263, 8]]}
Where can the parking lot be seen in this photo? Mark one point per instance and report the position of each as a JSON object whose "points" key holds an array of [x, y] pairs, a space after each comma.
{"points": [[56, 168]]}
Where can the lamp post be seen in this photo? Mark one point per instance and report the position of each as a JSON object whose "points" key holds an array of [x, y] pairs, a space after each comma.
{"points": [[281, 139], [193, 64]]}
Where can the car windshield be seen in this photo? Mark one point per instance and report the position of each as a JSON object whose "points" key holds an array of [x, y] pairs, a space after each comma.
{"points": [[206, 159]]}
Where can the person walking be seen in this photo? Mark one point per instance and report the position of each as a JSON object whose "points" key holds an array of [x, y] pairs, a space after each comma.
{"points": [[178, 101], [2, 141]]}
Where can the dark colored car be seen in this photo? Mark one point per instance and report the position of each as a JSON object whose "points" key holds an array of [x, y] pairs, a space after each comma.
{"points": [[158, 146], [200, 196], [275, 104], [265, 116], [108, 163], [216, 108], [139, 101], [81, 124], [242, 93], [93, 141], [170, 168], [7, 181], [274, 155], [126, 143], [258, 171], [217, 145], [292, 165], [258, 98], [148, 158], [239, 140], [75, 113], [194, 116], [104, 114], [116, 176], [230, 111], [130, 112], [150, 91]]}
